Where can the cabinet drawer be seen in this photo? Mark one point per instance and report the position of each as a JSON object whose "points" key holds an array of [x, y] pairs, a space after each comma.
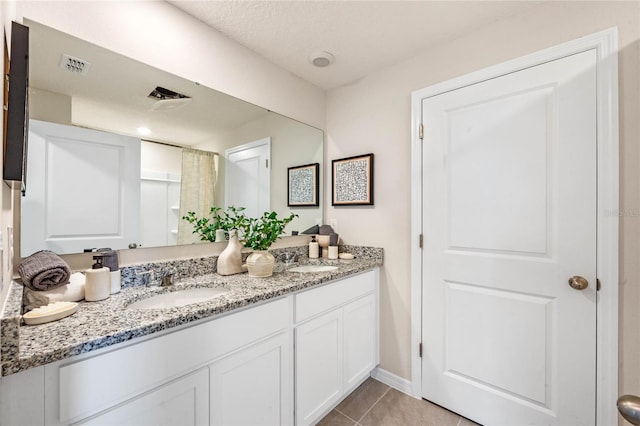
{"points": [[94, 384], [321, 299]]}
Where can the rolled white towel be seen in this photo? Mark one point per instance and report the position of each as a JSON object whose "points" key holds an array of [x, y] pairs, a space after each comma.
{"points": [[72, 292]]}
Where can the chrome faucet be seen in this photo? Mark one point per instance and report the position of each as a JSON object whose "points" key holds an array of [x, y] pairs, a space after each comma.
{"points": [[167, 277], [148, 277], [289, 257]]}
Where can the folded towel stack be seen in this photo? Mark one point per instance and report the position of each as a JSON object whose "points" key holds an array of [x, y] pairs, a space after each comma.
{"points": [[43, 270], [72, 292]]}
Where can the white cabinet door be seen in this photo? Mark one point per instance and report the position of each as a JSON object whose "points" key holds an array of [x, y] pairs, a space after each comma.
{"points": [[22, 398], [335, 350], [360, 340], [254, 386], [179, 403], [318, 366]]}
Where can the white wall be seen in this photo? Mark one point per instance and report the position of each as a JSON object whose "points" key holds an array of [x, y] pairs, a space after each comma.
{"points": [[49, 106], [373, 115], [160, 158]]}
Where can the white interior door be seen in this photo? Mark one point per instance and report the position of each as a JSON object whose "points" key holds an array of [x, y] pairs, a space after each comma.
{"points": [[247, 177], [509, 215], [84, 190]]}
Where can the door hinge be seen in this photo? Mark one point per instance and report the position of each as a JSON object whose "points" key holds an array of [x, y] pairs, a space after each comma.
{"points": [[266, 163], [421, 131], [598, 285], [420, 240], [420, 349]]}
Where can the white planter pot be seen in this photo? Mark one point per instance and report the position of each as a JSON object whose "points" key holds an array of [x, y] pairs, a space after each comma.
{"points": [[260, 263]]}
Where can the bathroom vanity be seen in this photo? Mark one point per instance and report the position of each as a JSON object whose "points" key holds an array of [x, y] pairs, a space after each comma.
{"points": [[282, 350]]}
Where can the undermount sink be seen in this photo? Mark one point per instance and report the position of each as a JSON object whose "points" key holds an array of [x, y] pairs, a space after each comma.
{"points": [[178, 298], [313, 268]]}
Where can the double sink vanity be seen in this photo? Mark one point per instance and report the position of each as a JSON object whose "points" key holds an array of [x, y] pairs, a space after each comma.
{"points": [[206, 350]]}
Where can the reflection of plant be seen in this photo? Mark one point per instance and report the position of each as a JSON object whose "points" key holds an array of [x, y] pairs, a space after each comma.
{"points": [[206, 227], [259, 233]]}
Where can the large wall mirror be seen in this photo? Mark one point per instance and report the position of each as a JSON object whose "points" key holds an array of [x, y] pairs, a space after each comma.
{"points": [[95, 181]]}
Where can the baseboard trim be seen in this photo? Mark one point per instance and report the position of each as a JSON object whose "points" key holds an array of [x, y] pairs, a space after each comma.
{"points": [[390, 379]]}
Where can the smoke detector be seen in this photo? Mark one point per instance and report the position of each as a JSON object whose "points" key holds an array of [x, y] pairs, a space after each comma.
{"points": [[167, 99], [74, 65], [321, 58]]}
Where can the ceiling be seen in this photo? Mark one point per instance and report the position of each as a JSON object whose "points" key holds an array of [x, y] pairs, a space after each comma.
{"points": [[364, 36]]}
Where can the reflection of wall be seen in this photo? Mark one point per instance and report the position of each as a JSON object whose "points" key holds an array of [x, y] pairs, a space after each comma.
{"points": [[49, 106], [292, 144], [373, 115], [160, 158]]}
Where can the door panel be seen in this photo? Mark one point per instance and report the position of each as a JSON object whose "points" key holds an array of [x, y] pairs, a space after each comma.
{"points": [[62, 209], [477, 174], [487, 350], [247, 177], [509, 214]]}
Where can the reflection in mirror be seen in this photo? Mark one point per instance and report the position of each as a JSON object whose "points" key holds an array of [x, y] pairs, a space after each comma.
{"points": [[185, 141]]}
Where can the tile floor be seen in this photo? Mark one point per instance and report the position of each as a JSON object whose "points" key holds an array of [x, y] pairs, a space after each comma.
{"points": [[376, 404]]}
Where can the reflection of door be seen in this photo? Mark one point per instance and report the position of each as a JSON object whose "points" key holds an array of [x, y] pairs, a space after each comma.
{"points": [[247, 177], [509, 214], [84, 190]]}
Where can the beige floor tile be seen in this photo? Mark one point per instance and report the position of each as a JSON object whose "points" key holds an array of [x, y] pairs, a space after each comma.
{"points": [[363, 398], [335, 418], [466, 422], [398, 409]]}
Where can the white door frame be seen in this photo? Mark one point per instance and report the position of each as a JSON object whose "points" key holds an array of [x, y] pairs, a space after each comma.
{"points": [[255, 144], [606, 45]]}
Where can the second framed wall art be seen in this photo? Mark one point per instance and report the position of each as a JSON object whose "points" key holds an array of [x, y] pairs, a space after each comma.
{"points": [[352, 181]]}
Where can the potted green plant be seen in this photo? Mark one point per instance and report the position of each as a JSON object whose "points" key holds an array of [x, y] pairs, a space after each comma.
{"points": [[217, 224], [258, 235]]}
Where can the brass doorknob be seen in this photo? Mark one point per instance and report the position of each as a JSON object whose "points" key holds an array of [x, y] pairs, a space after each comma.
{"points": [[579, 283]]}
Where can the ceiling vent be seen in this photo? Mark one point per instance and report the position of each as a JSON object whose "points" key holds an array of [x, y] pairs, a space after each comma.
{"points": [[74, 65], [167, 99]]}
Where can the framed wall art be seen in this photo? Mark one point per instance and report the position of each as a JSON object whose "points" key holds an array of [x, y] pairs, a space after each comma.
{"points": [[352, 181], [303, 189]]}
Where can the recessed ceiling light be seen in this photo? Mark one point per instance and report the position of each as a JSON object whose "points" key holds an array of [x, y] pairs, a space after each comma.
{"points": [[321, 58], [144, 131]]}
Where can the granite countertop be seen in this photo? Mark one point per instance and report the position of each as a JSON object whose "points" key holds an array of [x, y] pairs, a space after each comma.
{"points": [[100, 324]]}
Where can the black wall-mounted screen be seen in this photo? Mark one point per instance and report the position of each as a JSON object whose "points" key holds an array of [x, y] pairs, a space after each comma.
{"points": [[15, 139]]}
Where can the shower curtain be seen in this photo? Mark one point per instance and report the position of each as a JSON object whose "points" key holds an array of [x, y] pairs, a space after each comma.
{"points": [[197, 189]]}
